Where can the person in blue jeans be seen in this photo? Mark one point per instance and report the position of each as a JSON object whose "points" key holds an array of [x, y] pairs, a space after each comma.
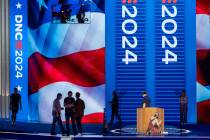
{"points": [[56, 113]]}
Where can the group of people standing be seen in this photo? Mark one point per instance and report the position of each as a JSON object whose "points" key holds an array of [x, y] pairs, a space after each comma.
{"points": [[74, 110]]}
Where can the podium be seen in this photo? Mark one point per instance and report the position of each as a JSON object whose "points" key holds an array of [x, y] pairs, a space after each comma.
{"points": [[144, 115]]}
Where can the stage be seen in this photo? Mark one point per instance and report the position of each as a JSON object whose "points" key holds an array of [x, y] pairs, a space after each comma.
{"points": [[145, 62], [32, 130]]}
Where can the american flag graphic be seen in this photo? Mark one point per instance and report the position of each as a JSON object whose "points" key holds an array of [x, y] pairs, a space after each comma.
{"points": [[65, 57], [203, 59]]}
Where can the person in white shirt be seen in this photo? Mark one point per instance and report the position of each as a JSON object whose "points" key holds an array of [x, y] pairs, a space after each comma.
{"points": [[56, 113]]}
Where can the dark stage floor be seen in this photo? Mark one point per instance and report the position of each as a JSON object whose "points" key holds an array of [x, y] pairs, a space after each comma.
{"points": [[38, 131]]}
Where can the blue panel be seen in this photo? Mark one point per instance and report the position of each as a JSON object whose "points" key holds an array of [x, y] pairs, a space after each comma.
{"points": [[19, 53], [110, 54], [169, 78], [130, 79], [163, 82], [190, 55], [150, 52]]}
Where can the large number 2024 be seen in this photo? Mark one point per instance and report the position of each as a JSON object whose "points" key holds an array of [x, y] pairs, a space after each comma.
{"points": [[129, 55], [18, 66], [169, 55]]}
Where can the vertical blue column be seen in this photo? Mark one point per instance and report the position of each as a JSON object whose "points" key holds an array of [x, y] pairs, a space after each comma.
{"points": [[150, 50], [130, 76], [110, 53], [170, 76], [19, 53], [190, 58]]}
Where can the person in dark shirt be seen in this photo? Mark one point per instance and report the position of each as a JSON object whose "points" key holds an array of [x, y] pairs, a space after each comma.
{"points": [[15, 104], [183, 108], [79, 108], [81, 14], [145, 100], [115, 106], [56, 113], [69, 104]]}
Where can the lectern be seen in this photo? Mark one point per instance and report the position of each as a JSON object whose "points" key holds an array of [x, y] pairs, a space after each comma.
{"points": [[144, 116]]}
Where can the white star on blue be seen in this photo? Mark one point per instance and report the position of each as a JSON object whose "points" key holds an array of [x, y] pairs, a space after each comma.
{"points": [[19, 88], [42, 3], [18, 5]]}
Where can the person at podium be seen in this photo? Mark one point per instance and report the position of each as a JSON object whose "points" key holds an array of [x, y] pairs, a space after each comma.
{"points": [[145, 100]]}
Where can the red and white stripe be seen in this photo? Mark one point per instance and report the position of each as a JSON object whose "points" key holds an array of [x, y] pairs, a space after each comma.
{"points": [[203, 48], [94, 97], [83, 68], [73, 59]]}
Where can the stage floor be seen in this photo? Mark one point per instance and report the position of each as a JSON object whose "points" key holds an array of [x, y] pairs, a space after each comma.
{"points": [[41, 131]]}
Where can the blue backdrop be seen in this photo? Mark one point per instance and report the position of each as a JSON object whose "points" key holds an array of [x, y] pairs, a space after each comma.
{"points": [[186, 20], [148, 23]]}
